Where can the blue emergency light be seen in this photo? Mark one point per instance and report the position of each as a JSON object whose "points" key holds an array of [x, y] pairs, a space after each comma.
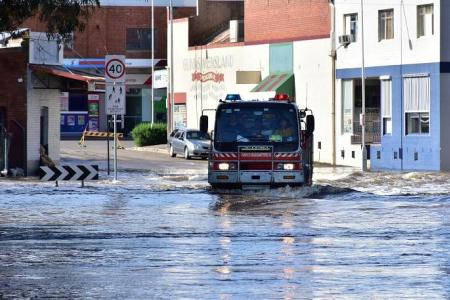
{"points": [[233, 97]]}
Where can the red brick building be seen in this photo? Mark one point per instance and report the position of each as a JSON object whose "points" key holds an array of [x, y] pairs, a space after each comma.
{"points": [[13, 104], [286, 20], [114, 30]]}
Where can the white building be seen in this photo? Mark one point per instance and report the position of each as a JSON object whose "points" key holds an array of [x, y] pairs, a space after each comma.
{"points": [[205, 74], [406, 55]]}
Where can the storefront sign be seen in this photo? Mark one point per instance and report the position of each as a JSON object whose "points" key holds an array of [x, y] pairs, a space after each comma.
{"points": [[64, 101], [214, 62], [93, 124], [93, 111], [161, 79], [138, 79], [210, 76]]}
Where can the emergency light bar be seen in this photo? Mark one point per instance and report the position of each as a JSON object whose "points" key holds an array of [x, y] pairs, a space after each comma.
{"points": [[233, 97], [281, 97]]}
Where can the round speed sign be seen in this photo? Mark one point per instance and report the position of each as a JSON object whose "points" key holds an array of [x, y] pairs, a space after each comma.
{"points": [[115, 69]]}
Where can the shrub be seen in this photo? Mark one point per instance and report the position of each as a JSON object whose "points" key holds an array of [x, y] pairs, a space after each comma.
{"points": [[145, 134]]}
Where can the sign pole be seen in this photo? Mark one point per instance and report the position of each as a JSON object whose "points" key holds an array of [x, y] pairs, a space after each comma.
{"points": [[107, 142], [363, 96], [115, 147]]}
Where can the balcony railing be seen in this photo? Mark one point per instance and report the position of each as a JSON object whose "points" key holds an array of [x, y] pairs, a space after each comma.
{"points": [[373, 132]]}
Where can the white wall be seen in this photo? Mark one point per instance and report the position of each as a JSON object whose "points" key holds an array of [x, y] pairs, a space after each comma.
{"points": [[312, 69], [388, 52], [37, 98]]}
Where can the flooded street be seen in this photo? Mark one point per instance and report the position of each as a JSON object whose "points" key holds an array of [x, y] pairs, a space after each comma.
{"points": [[149, 236]]}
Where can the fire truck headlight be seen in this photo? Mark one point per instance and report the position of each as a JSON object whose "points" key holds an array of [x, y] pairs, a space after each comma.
{"points": [[288, 167], [224, 166]]}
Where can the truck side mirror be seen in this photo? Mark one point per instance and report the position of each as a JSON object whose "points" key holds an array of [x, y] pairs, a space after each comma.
{"points": [[204, 123], [310, 124]]}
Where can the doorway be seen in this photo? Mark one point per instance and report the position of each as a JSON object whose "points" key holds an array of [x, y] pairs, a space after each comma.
{"points": [[3, 136], [352, 109], [44, 128]]}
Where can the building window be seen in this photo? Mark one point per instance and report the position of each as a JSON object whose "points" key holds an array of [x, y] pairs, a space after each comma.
{"points": [[139, 38], [386, 106], [385, 24], [69, 42], [417, 104], [425, 20], [351, 26], [347, 106]]}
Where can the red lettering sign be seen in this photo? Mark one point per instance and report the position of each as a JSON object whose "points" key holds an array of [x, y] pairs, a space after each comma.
{"points": [[210, 76]]}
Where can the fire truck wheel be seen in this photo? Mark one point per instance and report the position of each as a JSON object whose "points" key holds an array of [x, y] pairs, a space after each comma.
{"points": [[186, 153], [171, 153]]}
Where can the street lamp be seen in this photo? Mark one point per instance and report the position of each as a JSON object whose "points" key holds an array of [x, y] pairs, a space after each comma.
{"points": [[363, 96]]}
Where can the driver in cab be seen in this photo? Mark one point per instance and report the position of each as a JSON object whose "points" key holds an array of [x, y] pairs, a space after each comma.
{"points": [[285, 131]]}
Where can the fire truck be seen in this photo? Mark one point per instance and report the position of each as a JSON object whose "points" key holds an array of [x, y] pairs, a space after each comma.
{"points": [[260, 144]]}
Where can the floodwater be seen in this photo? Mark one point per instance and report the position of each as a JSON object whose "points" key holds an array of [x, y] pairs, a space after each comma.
{"points": [[350, 236]]}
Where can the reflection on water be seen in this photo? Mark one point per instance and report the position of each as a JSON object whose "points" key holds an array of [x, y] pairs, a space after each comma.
{"points": [[348, 236]]}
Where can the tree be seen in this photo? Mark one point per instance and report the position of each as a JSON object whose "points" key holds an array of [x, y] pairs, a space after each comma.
{"points": [[60, 16]]}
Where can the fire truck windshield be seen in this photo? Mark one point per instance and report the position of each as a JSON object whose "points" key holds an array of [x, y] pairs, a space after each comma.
{"points": [[258, 123]]}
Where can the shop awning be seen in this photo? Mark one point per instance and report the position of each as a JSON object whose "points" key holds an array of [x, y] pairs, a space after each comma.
{"points": [[278, 83], [60, 71]]}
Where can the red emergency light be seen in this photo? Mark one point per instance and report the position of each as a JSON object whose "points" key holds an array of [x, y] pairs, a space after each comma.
{"points": [[281, 97]]}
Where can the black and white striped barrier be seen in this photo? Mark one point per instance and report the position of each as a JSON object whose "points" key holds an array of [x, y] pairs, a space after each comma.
{"points": [[69, 173]]}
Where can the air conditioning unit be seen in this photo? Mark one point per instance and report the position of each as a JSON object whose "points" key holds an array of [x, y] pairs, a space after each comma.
{"points": [[345, 40]]}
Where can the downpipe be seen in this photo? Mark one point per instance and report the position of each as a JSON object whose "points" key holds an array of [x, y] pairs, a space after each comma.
{"points": [[333, 80], [5, 152]]}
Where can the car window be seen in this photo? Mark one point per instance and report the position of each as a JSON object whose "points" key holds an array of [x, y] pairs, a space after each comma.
{"points": [[177, 135], [181, 135], [173, 132], [197, 135]]}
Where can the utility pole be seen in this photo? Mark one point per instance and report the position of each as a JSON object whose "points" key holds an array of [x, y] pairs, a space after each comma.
{"points": [[153, 61], [363, 96], [171, 67]]}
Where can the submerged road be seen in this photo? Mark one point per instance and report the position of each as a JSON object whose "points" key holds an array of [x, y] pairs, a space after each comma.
{"points": [[166, 235]]}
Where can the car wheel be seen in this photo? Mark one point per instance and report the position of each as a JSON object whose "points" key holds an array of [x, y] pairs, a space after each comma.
{"points": [[171, 153], [186, 153]]}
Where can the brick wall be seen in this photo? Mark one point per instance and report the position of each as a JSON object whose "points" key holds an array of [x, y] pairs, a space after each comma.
{"points": [[285, 20], [105, 31], [213, 17], [13, 65]]}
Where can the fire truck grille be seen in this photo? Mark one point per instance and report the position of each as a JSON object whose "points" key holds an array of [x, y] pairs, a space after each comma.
{"points": [[256, 166]]}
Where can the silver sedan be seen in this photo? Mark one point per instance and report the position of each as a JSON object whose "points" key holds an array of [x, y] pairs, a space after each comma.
{"points": [[190, 143]]}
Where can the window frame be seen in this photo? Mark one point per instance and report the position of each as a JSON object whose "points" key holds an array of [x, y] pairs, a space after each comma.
{"points": [[143, 45], [420, 115], [420, 111], [421, 16], [387, 118], [348, 31], [383, 19], [352, 96]]}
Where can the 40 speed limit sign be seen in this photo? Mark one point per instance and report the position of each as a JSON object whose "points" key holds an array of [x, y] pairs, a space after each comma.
{"points": [[115, 68], [115, 92]]}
